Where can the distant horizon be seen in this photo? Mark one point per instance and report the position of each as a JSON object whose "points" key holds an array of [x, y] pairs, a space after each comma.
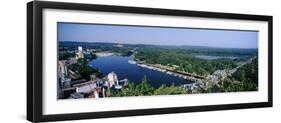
{"points": [[98, 33], [154, 44]]}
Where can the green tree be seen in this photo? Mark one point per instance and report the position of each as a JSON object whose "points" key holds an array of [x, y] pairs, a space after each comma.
{"points": [[169, 90], [144, 88], [83, 70]]}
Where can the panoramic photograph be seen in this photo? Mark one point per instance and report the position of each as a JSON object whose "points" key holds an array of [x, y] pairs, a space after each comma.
{"points": [[102, 60]]}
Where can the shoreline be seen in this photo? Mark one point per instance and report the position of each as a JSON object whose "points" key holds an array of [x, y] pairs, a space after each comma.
{"points": [[104, 54], [185, 76]]}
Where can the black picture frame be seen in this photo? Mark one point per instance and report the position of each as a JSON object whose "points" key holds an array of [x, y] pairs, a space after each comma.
{"points": [[35, 69]]}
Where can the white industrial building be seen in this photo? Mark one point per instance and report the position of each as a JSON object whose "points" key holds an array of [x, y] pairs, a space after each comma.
{"points": [[112, 78], [80, 52]]}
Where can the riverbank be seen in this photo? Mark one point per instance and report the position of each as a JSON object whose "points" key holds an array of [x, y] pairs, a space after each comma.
{"points": [[104, 54], [121, 66], [165, 69]]}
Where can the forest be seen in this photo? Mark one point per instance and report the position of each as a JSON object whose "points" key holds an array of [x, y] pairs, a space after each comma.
{"points": [[245, 79], [84, 70], [185, 60], [181, 58], [145, 89]]}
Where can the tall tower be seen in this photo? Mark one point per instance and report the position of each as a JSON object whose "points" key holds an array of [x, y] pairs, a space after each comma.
{"points": [[80, 49], [80, 52]]}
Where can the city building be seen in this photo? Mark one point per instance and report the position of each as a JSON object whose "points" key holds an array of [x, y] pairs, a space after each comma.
{"points": [[96, 87], [62, 69], [80, 52], [89, 88], [63, 75], [112, 78]]}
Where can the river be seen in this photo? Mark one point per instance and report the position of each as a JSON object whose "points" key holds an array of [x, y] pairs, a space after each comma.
{"points": [[134, 73]]}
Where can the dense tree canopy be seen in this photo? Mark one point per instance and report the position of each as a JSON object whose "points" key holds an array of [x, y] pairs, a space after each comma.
{"points": [[144, 89], [84, 71], [184, 60]]}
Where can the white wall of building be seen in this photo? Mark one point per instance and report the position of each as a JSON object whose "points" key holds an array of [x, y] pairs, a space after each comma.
{"points": [[13, 61]]}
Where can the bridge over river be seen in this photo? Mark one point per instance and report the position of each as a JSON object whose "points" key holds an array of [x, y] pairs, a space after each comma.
{"points": [[216, 77], [219, 75], [212, 79]]}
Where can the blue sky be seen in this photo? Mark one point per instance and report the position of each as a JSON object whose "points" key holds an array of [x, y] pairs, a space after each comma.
{"points": [[156, 35]]}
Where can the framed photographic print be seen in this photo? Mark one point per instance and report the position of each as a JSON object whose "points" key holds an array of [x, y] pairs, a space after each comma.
{"points": [[95, 61]]}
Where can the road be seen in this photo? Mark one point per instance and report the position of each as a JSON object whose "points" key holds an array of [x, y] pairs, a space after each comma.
{"points": [[219, 75]]}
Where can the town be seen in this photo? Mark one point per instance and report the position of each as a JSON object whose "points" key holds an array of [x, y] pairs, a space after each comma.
{"points": [[95, 88], [77, 78]]}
